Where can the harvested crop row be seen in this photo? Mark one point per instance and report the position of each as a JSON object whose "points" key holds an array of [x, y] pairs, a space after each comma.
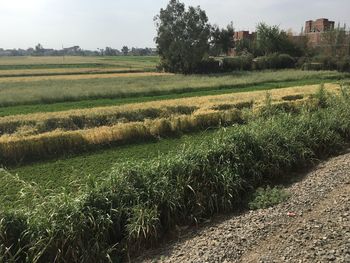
{"points": [[82, 119], [16, 149], [79, 122], [140, 202]]}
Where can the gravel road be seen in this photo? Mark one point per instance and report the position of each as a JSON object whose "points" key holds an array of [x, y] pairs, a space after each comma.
{"points": [[312, 226]]}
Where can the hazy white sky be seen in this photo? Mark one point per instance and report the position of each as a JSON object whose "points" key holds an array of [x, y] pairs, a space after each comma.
{"points": [[96, 24]]}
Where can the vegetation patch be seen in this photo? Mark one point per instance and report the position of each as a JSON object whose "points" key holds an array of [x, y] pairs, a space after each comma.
{"points": [[140, 201], [268, 197], [293, 97]]}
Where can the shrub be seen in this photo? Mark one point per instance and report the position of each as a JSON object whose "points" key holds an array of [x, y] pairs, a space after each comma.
{"points": [[343, 65], [267, 197], [208, 66], [243, 62], [274, 61]]}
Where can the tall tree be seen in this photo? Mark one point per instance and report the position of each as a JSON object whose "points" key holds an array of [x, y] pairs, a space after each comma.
{"points": [[221, 41], [271, 39], [39, 49], [182, 37], [335, 42], [125, 50]]}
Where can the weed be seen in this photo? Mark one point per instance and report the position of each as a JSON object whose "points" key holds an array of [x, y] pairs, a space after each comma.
{"points": [[267, 197]]}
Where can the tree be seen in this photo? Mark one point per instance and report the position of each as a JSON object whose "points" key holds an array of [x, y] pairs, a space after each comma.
{"points": [[221, 41], [335, 42], [110, 52], [182, 37], [39, 49], [271, 39], [125, 50]]}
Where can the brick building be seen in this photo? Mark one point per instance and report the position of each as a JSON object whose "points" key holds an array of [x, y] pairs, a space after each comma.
{"points": [[315, 29], [242, 35], [319, 25]]}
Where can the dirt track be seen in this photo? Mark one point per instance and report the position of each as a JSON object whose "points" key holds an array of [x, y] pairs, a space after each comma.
{"points": [[312, 226]]}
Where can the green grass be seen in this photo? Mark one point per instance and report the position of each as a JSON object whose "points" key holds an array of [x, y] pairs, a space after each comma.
{"points": [[52, 91], [214, 90], [21, 63], [73, 171]]}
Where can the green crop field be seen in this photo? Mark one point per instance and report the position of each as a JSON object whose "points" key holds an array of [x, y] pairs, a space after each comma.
{"points": [[110, 140]]}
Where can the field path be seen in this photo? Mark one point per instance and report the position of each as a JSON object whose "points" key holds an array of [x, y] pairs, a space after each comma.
{"points": [[312, 226]]}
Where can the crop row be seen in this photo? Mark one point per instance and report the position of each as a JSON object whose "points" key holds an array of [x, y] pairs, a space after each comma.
{"points": [[140, 202], [18, 149], [69, 90], [31, 124]]}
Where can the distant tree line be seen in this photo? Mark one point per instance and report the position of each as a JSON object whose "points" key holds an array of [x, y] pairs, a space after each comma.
{"points": [[187, 43], [39, 50]]}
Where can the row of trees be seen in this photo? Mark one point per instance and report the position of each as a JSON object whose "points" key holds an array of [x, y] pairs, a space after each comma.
{"points": [[39, 50], [185, 40]]}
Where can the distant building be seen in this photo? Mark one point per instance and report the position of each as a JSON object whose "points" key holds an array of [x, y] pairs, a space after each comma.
{"points": [[243, 35], [239, 36], [315, 29], [319, 26]]}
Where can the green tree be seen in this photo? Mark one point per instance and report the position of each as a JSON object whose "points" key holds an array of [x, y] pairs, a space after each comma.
{"points": [[125, 50], [271, 39], [221, 40], [39, 49], [335, 42], [182, 37]]}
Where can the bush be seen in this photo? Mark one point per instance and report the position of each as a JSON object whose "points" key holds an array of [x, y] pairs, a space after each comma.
{"points": [[274, 61], [343, 65], [243, 62], [208, 66], [268, 197], [328, 63]]}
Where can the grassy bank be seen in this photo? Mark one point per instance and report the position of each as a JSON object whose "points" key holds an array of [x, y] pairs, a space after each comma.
{"points": [[140, 201], [71, 173]]}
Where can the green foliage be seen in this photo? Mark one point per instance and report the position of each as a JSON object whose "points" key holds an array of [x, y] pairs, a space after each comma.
{"points": [[182, 37], [243, 62], [221, 41], [322, 62], [268, 197], [274, 61], [271, 39], [322, 96]]}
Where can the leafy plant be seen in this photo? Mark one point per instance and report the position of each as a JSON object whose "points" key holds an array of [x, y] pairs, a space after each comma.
{"points": [[267, 197]]}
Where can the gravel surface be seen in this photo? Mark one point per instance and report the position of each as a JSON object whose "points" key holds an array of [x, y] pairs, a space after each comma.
{"points": [[312, 226]]}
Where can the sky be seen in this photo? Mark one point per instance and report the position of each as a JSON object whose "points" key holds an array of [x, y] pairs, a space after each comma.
{"points": [[93, 24]]}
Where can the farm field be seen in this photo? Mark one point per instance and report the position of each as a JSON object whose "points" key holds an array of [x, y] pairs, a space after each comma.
{"points": [[87, 132], [72, 173]]}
